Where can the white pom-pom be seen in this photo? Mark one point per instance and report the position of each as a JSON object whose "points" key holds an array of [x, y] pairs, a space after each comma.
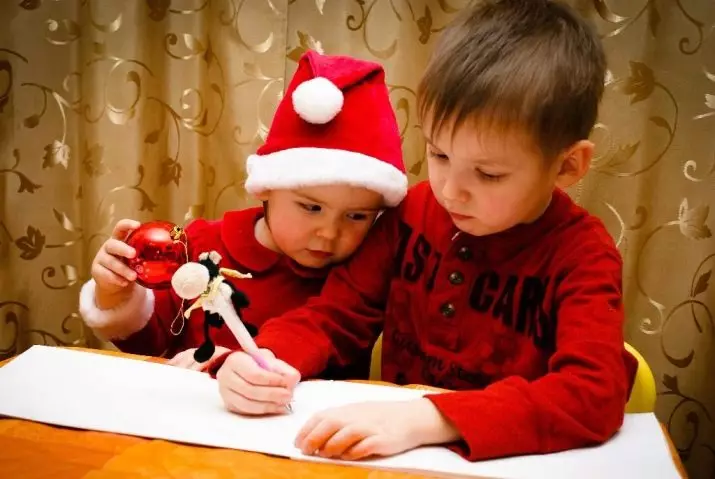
{"points": [[317, 100], [190, 280]]}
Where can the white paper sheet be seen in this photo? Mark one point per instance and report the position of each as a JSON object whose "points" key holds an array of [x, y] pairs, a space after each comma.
{"points": [[106, 393]]}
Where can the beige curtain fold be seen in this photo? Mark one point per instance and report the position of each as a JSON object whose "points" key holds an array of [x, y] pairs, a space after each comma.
{"points": [[147, 109]]}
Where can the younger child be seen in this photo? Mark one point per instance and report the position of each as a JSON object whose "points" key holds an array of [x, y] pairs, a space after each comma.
{"points": [[332, 161], [488, 280]]}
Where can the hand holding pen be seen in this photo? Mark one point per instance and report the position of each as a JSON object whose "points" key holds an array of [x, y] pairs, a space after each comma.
{"points": [[247, 388], [238, 376]]}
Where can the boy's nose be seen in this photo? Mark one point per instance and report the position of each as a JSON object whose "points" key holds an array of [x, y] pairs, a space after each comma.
{"points": [[328, 232], [452, 192]]}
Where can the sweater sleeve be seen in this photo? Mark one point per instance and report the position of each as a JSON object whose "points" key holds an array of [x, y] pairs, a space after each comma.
{"points": [[581, 399], [155, 338], [336, 327], [141, 325]]}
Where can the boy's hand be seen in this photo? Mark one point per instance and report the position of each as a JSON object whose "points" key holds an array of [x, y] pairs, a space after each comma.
{"points": [[246, 388], [115, 280], [361, 430], [185, 359]]}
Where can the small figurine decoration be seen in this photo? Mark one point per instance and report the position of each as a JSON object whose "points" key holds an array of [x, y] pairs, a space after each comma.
{"points": [[162, 261], [221, 301], [161, 249]]}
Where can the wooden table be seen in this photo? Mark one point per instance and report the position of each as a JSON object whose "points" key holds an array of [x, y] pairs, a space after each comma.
{"points": [[33, 450]]}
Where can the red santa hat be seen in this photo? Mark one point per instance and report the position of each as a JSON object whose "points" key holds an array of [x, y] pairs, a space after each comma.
{"points": [[334, 125]]}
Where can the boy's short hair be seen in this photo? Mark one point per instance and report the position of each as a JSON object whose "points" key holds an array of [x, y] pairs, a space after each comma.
{"points": [[530, 65]]}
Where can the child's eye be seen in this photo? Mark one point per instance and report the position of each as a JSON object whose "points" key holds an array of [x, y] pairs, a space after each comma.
{"points": [[436, 155], [357, 216], [312, 208], [489, 177]]}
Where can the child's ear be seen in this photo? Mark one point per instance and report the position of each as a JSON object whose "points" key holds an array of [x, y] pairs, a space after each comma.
{"points": [[575, 163], [262, 196]]}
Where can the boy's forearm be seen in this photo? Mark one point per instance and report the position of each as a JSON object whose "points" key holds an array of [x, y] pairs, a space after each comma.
{"points": [[562, 410], [154, 338], [306, 337], [119, 321], [106, 301], [309, 355], [150, 340], [338, 326], [329, 330], [431, 427]]}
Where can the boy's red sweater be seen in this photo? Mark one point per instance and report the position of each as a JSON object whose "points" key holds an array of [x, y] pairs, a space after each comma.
{"points": [[525, 325]]}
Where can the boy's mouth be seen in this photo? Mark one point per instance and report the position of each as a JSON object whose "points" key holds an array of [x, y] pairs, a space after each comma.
{"points": [[458, 217], [320, 254]]}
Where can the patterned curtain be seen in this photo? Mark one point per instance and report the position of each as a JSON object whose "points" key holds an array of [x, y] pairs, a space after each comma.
{"points": [[147, 109]]}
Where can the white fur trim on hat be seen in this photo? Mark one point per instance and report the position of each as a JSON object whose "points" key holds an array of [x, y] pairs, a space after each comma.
{"points": [[302, 167], [120, 322], [317, 100]]}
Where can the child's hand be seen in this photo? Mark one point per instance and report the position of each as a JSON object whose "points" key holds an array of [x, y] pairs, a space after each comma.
{"points": [[361, 430], [185, 359], [115, 280], [246, 388]]}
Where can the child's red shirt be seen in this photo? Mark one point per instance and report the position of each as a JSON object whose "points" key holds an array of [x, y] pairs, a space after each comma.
{"points": [[144, 324], [525, 325]]}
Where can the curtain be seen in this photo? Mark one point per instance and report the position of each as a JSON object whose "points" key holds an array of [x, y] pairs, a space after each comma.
{"points": [[148, 109]]}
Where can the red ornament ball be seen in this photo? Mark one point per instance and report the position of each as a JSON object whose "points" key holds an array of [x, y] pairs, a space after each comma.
{"points": [[160, 250]]}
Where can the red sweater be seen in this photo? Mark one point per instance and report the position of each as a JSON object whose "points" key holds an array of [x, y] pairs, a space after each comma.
{"points": [[526, 325], [278, 285]]}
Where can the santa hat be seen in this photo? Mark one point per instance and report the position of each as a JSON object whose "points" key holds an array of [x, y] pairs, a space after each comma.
{"points": [[334, 125]]}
